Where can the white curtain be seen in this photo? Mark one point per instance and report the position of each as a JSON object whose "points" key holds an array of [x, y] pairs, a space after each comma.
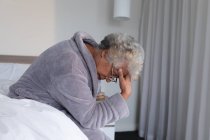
{"points": [[175, 84]]}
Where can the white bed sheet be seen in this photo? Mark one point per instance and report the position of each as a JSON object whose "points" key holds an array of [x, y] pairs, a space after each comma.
{"points": [[30, 120]]}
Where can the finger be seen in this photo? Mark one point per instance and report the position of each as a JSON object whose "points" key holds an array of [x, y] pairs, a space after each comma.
{"points": [[128, 77], [120, 72]]}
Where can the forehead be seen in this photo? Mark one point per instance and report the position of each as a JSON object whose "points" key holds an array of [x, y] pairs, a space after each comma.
{"points": [[124, 69]]}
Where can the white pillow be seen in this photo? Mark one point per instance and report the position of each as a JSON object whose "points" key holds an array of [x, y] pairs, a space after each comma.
{"points": [[9, 74], [30, 120], [12, 71], [4, 86]]}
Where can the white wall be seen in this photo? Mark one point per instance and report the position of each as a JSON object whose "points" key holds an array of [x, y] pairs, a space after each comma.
{"points": [[28, 27]]}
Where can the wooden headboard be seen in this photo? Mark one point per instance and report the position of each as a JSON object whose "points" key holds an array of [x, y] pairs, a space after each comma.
{"points": [[17, 59]]}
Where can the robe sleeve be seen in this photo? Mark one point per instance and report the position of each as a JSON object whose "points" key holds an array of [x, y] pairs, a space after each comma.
{"points": [[74, 94]]}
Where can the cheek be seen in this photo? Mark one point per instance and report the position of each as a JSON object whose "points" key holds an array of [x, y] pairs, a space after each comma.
{"points": [[103, 70]]}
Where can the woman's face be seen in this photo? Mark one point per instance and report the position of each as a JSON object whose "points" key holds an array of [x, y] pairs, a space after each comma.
{"points": [[107, 71]]}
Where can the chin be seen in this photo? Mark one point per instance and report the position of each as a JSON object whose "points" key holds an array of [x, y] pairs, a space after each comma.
{"points": [[101, 78]]}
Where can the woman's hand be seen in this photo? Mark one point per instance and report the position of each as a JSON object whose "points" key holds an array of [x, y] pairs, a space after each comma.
{"points": [[125, 84]]}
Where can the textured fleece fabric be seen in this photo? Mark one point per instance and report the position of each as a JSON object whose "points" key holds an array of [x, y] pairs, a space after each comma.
{"points": [[65, 77]]}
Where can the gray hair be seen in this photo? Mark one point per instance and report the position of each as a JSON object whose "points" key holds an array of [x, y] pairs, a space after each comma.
{"points": [[123, 48]]}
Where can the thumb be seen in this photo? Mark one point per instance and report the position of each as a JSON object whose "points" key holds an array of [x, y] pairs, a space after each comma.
{"points": [[120, 74]]}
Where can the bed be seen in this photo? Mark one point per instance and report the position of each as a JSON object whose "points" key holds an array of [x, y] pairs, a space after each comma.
{"points": [[27, 119]]}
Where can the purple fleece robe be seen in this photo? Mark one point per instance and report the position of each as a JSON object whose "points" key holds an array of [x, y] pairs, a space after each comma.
{"points": [[65, 77]]}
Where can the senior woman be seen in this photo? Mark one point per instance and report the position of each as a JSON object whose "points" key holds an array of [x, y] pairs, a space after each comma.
{"points": [[66, 76]]}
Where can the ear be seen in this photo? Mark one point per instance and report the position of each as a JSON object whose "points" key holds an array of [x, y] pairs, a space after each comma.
{"points": [[104, 53]]}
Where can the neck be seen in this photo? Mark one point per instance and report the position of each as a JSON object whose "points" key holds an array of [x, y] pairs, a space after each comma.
{"points": [[95, 53], [90, 49]]}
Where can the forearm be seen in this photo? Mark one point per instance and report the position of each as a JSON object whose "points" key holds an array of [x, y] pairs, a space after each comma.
{"points": [[108, 111]]}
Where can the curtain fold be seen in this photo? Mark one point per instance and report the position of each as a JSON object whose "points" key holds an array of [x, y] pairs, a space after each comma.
{"points": [[175, 84]]}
